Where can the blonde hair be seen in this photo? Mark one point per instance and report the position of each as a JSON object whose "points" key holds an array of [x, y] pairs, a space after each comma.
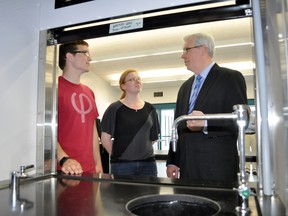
{"points": [[122, 80]]}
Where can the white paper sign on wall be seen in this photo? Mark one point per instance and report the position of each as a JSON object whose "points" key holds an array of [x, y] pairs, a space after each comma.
{"points": [[126, 25]]}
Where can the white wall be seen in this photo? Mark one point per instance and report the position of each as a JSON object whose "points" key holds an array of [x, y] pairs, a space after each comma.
{"points": [[104, 94], [170, 94], [19, 44]]}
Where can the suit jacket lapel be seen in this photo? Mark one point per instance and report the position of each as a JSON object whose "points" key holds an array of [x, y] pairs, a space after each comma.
{"points": [[207, 85]]}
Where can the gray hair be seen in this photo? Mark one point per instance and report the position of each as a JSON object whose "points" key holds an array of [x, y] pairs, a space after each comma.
{"points": [[203, 39]]}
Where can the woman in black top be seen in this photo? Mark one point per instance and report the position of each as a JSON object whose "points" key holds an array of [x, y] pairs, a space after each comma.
{"points": [[129, 128]]}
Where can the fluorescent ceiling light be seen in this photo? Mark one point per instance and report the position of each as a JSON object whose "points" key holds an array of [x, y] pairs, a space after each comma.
{"points": [[156, 73], [235, 45], [240, 66], [136, 56], [181, 74], [168, 52]]}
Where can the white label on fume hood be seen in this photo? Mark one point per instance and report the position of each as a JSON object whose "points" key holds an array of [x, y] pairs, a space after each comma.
{"points": [[127, 25]]}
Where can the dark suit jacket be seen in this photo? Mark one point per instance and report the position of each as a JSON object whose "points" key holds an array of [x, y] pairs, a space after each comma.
{"points": [[212, 156]]}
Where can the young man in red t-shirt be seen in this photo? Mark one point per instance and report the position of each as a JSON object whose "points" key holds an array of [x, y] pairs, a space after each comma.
{"points": [[78, 143]]}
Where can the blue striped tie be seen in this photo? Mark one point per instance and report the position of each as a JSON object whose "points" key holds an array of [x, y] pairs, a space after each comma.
{"points": [[194, 93]]}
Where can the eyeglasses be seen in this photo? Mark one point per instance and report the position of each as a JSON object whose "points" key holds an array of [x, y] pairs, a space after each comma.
{"points": [[185, 50], [85, 52], [134, 79]]}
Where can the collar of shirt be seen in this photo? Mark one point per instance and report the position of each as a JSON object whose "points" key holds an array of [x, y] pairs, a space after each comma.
{"points": [[205, 72]]}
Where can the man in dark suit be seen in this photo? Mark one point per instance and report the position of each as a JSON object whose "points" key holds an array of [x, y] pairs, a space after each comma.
{"points": [[206, 149]]}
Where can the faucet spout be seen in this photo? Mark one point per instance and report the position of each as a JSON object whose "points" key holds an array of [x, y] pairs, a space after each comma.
{"points": [[174, 134], [15, 182], [241, 115]]}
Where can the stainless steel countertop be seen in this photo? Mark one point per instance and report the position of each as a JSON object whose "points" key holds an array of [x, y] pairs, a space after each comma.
{"points": [[104, 195]]}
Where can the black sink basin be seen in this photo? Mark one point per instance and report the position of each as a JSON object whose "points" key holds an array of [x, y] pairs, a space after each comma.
{"points": [[173, 205]]}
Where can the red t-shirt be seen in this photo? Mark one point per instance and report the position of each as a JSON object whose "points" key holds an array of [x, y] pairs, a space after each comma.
{"points": [[77, 113]]}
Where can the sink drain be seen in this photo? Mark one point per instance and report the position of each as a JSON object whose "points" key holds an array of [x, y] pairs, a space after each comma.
{"points": [[172, 205]]}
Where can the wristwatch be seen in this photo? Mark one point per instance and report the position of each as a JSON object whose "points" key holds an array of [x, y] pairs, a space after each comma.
{"points": [[63, 160]]}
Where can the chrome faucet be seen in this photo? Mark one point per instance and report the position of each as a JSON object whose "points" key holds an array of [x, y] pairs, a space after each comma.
{"points": [[16, 201], [16, 175], [174, 134], [241, 114]]}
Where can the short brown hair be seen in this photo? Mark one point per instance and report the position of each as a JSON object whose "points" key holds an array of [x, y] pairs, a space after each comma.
{"points": [[68, 48]]}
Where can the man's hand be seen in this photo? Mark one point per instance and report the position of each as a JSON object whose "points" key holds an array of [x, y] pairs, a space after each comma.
{"points": [[196, 125], [72, 167], [172, 171]]}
